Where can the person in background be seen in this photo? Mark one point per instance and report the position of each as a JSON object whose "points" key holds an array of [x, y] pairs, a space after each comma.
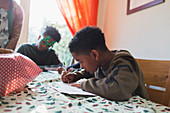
{"points": [[114, 75], [74, 67], [41, 52], [11, 21]]}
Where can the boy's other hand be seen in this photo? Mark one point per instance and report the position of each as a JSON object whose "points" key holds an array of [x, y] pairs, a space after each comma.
{"points": [[76, 85], [60, 70]]}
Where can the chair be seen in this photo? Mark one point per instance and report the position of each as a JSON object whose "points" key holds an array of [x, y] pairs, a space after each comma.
{"points": [[157, 79]]}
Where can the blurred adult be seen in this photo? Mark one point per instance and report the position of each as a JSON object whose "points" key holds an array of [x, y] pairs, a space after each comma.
{"points": [[11, 21]]}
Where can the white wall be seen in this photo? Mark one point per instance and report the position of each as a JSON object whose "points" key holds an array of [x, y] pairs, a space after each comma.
{"points": [[146, 34]]}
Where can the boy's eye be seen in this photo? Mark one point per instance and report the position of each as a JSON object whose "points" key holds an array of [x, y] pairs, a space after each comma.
{"points": [[43, 41]]}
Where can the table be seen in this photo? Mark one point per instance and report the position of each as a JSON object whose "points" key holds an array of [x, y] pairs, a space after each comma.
{"points": [[42, 97]]}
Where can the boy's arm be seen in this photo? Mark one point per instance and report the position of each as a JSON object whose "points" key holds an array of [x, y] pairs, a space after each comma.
{"points": [[68, 77], [119, 84], [82, 74], [55, 58], [24, 49]]}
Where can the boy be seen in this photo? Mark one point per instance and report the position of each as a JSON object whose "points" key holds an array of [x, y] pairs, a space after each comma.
{"points": [[114, 75], [41, 53]]}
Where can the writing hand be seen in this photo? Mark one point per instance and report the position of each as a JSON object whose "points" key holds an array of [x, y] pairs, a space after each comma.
{"points": [[68, 77]]}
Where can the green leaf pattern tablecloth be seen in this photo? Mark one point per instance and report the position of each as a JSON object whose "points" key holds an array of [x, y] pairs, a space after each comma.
{"points": [[43, 97]]}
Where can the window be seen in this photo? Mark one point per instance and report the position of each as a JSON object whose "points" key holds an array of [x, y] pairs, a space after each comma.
{"points": [[46, 12], [18, 1]]}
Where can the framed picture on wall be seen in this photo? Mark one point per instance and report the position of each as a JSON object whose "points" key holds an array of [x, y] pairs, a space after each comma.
{"points": [[137, 5]]}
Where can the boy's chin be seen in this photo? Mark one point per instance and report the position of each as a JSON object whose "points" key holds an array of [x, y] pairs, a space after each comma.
{"points": [[89, 71]]}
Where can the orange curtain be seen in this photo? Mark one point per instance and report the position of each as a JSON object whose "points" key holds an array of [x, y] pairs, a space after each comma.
{"points": [[79, 13]]}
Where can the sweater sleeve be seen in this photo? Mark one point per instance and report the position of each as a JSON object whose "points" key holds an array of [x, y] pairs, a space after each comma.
{"points": [[54, 59], [119, 83], [16, 27], [22, 49], [82, 74]]}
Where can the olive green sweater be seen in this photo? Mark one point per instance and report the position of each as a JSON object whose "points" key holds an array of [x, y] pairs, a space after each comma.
{"points": [[119, 79]]}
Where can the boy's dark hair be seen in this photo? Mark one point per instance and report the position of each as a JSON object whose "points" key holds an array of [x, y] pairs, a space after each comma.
{"points": [[87, 39], [53, 32]]}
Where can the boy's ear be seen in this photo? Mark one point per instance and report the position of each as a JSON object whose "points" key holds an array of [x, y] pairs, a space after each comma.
{"points": [[95, 54]]}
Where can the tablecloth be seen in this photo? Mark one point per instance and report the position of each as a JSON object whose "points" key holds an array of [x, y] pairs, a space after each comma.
{"points": [[42, 97]]}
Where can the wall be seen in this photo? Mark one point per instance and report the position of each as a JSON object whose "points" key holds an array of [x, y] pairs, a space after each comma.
{"points": [[146, 34]]}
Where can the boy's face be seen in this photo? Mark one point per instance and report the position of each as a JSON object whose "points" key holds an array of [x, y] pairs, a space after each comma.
{"points": [[45, 42], [88, 62]]}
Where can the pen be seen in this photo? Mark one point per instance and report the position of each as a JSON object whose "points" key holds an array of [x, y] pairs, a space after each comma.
{"points": [[64, 65]]}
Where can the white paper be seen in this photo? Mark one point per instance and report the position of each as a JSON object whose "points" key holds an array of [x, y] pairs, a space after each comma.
{"points": [[68, 89]]}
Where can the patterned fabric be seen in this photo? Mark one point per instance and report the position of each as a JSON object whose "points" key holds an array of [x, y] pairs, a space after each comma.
{"points": [[43, 97], [16, 71], [3, 28]]}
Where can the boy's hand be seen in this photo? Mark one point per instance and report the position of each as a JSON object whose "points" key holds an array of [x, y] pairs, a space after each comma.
{"points": [[60, 70], [76, 85], [67, 77]]}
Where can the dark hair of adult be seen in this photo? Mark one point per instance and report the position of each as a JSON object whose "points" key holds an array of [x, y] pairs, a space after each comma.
{"points": [[53, 32], [87, 39]]}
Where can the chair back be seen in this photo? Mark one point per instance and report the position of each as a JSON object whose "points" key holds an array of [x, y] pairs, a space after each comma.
{"points": [[157, 79]]}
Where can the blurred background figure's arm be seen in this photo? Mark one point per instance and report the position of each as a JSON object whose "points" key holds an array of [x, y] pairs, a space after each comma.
{"points": [[16, 26]]}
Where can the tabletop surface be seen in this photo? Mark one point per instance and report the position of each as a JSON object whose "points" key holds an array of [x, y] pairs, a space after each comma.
{"points": [[42, 97]]}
